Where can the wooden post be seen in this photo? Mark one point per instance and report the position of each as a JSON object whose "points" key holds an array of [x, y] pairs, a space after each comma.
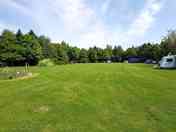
{"points": [[27, 67]]}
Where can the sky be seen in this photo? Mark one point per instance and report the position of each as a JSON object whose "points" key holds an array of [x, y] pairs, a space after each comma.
{"points": [[86, 23]]}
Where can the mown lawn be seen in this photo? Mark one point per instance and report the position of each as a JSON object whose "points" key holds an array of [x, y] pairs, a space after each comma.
{"points": [[90, 98]]}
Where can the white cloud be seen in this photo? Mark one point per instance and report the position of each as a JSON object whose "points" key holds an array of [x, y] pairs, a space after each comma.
{"points": [[14, 5], [1, 26], [69, 20], [76, 22], [80, 22], [105, 6], [145, 19], [7, 26]]}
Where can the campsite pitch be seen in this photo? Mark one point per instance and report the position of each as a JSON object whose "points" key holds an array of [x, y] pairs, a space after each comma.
{"points": [[90, 98]]}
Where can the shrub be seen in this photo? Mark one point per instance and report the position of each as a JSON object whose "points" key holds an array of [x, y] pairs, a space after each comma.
{"points": [[59, 62], [46, 62]]}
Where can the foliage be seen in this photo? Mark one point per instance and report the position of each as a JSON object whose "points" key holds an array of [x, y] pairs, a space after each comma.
{"points": [[46, 62], [131, 52], [9, 50], [45, 42], [73, 54], [168, 44], [17, 49], [83, 56], [117, 51], [92, 54], [33, 50]]}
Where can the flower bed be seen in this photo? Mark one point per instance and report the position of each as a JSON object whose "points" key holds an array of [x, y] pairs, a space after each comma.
{"points": [[8, 74]]}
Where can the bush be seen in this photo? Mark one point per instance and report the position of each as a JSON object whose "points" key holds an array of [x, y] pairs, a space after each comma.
{"points": [[46, 62], [59, 62]]}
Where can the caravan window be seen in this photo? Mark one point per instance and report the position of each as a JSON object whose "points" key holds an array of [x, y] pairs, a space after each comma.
{"points": [[169, 60]]}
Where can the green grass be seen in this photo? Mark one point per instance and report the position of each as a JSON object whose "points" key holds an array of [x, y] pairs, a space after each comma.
{"points": [[90, 98]]}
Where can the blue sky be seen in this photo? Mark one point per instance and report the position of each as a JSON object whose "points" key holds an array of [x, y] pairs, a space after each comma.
{"points": [[86, 23]]}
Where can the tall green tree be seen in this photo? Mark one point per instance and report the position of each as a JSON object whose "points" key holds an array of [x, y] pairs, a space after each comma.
{"points": [[45, 42], [92, 54], [100, 55], [19, 36], [62, 57], [156, 52], [118, 51], [83, 56], [108, 51], [168, 44], [33, 49], [9, 50], [145, 50], [131, 52], [73, 54]]}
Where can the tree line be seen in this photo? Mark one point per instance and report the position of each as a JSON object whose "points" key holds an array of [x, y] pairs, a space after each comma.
{"points": [[17, 49]]}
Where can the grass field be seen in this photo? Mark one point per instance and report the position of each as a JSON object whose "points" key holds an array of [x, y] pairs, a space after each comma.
{"points": [[90, 98]]}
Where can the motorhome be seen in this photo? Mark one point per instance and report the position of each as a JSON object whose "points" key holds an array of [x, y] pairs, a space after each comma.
{"points": [[168, 62]]}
